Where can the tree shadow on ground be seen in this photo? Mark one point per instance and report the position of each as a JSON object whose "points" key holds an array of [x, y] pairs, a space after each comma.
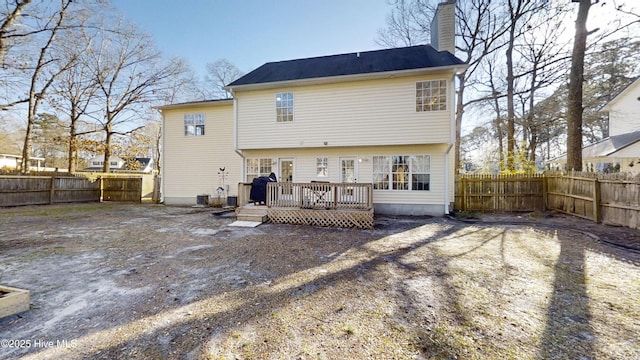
{"points": [[191, 325]]}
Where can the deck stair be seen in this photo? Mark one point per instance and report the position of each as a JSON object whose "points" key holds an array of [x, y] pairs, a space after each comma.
{"points": [[252, 212]]}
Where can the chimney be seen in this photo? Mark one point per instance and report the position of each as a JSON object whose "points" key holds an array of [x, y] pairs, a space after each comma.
{"points": [[443, 27]]}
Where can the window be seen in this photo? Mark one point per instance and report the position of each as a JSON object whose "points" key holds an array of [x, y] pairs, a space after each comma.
{"points": [[257, 167], [322, 167], [401, 172], [284, 107], [431, 95], [193, 124]]}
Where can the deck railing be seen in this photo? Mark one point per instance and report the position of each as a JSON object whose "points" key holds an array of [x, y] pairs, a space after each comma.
{"points": [[316, 195]]}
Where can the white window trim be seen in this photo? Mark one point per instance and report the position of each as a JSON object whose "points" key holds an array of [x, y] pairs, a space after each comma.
{"points": [[293, 106], [409, 174], [445, 92], [194, 119]]}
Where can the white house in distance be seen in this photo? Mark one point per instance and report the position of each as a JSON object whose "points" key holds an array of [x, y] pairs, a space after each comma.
{"points": [[382, 117], [12, 162], [621, 150]]}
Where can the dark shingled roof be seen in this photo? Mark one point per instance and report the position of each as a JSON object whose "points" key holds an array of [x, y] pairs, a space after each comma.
{"points": [[367, 62]]}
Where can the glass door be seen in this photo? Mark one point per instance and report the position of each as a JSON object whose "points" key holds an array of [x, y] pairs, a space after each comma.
{"points": [[348, 169], [286, 176], [348, 173]]}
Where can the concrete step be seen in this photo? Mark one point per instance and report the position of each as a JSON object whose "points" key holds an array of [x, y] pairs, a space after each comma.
{"points": [[256, 218]]}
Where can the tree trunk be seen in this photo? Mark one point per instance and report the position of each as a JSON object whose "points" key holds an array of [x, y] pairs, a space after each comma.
{"points": [[574, 101], [510, 101], [73, 144], [26, 148], [107, 147]]}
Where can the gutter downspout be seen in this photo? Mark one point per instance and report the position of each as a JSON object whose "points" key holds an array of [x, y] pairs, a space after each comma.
{"points": [[452, 141], [235, 135], [447, 171]]}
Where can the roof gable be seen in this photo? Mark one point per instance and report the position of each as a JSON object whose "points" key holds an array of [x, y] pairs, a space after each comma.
{"points": [[360, 63], [622, 94], [610, 145]]}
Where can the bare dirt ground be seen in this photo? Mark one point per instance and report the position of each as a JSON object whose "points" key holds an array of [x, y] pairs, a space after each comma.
{"points": [[148, 281]]}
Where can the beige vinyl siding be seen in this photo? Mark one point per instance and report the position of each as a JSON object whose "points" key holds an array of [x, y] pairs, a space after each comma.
{"points": [[191, 163], [358, 113], [305, 168]]}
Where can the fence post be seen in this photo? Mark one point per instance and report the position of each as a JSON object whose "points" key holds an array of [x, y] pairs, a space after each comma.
{"points": [[101, 188], [596, 200], [52, 190], [463, 200], [545, 192]]}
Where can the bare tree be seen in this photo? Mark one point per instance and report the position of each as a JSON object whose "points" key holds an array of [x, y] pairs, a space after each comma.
{"points": [[543, 60], [219, 74], [8, 32], [407, 24], [72, 94], [130, 76], [44, 72], [576, 78]]}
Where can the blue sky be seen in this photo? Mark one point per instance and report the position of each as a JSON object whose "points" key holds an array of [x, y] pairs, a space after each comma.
{"points": [[251, 32]]}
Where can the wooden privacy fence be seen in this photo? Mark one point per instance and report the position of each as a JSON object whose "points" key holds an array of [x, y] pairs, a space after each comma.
{"points": [[607, 198], [499, 193], [128, 189], [39, 190]]}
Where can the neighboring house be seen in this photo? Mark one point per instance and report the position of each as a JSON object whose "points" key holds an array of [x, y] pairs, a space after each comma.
{"points": [[116, 164], [384, 117], [144, 164], [621, 150], [12, 162], [97, 162], [624, 110]]}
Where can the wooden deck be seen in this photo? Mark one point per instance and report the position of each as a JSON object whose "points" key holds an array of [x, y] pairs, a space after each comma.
{"points": [[347, 205]]}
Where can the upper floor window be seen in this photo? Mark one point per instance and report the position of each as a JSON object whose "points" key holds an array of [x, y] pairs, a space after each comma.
{"points": [[284, 107], [194, 124], [431, 95]]}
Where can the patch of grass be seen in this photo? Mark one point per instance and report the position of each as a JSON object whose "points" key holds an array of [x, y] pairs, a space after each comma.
{"points": [[467, 215], [349, 330]]}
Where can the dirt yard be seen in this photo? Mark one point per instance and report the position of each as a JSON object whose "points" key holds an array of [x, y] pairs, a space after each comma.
{"points": [[148, 281]]}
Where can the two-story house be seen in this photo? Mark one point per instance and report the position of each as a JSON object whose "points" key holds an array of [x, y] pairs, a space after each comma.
{"points": [[383, 117]]}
